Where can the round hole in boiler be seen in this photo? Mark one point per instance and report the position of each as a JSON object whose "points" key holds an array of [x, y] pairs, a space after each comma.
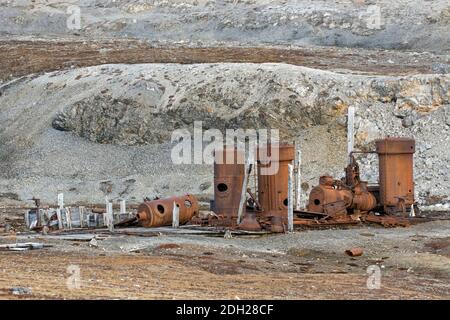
{"points": [[316, 202], [285, 202], [160, 208], [222, 187]]}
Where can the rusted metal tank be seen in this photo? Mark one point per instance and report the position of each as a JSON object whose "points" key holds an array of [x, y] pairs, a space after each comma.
{"points": [[228, 180], [396, 173], [363, 200], [325, 198], [333, 199], [273, 188], [159, 212]]}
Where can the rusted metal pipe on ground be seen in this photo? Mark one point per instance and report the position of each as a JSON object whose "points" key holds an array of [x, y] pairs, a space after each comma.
{"points": [[158, 213]]}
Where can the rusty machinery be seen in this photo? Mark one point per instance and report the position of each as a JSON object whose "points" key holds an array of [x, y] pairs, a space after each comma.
{"points": [[273, 188], [159, 212], [228, 180], [331, 199], [271, 204], [351, 195], [396, 173]]}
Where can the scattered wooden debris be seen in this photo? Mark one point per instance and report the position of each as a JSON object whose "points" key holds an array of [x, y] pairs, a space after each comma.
{"points": [[20, 291], [23, 246]]}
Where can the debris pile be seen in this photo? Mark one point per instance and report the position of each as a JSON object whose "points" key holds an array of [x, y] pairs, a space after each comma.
{"points": [[333, 202], [68, 218]]}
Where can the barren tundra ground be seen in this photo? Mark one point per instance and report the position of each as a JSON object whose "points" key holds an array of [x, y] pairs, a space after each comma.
{"points": [[308, 264]]}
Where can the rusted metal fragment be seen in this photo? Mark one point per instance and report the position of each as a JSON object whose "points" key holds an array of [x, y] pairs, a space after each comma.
{"points": [[387, 221], [354, 252], [249, 223]]}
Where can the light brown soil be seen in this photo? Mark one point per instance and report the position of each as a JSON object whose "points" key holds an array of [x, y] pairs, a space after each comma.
{"points": [[22, 57], [194, 272]]}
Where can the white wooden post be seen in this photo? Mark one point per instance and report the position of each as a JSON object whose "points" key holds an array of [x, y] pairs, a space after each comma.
{"points": [[299, 180], [123, 207], [412, 214], [69, 218], [58, 215], [27, 219], [41, 220], [175, 215], [247, 172], [290, 198], [81, 211], [61, 200], [110, 216], [350, 131]]}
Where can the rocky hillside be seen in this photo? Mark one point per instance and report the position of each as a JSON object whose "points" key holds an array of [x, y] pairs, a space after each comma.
{"points": [[421, 25], [105, 130]]}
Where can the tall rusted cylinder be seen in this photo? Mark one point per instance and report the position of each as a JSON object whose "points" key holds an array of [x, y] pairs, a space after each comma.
{"points": [[396, 179], [158, 213], [273, 188], [228, 180]]}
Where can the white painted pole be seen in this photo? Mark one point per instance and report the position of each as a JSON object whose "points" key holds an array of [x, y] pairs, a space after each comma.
{"points": [[247, 172], [175, 215], [41, 220], [81, 211], [61, 200], [350, 131], [123, 207], [58, 215], [27, 219], [69, 218], [110, 215], [290, 198], [299, 180], [412, 214]]}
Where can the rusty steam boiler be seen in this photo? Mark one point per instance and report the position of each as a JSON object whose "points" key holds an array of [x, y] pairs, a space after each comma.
{"points": [[157, 213], [351, 195], [396, 173], [273, 188], [228, 180]]}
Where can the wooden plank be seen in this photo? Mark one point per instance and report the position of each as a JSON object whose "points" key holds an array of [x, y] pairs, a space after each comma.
{"points": [[290, 198], [175, 215], [350, 131], [299, 180], [247, 172], [58, 215]]}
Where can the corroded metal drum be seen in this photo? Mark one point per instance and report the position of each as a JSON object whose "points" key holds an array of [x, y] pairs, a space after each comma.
{"points": [[228, 180], [273, 188], [159, 212]]}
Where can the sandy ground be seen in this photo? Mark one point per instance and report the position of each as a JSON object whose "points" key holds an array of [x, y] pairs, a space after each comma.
{"points": [[414, 263]]}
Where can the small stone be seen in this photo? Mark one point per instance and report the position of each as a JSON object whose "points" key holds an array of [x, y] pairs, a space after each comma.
{"points": [[93, 243], [19, 291], [408, 122]]}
